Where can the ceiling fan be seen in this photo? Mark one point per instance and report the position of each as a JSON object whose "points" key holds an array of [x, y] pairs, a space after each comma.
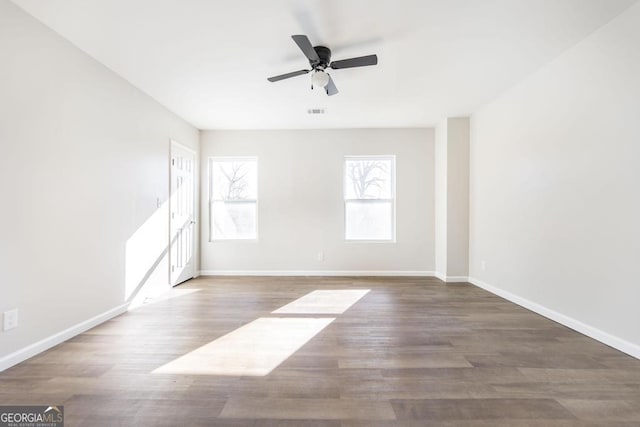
{"points": [[320, 59]]}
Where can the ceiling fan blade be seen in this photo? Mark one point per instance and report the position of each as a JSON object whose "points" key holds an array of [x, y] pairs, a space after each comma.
{"points": [[361, 61], [288, 75], [305, 46], [331, 87]]}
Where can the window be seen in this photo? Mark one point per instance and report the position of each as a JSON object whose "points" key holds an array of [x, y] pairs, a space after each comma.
{"points": [[369, 197], [233, 198]]}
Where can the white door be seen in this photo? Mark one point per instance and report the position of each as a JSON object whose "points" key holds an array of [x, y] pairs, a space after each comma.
{"points": [[181, 211]]}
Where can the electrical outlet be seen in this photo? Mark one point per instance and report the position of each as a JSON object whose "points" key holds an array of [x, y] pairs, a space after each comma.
{"points": [[483, 266], [320, 256], [10, 319]]}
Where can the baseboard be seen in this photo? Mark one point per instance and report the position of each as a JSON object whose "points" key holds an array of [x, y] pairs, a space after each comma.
{"points": [[370, 273], [451, 279], [611, 340], [457, 279], [45, 344]]}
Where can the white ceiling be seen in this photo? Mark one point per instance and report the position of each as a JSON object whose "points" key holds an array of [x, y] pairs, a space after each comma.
{"points": [[208, 60]]}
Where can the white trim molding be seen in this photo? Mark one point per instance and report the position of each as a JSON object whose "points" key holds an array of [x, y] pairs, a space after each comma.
{"points": [[369, 273], [451, 279], [60, 337], [456, 279], [611, 340]]}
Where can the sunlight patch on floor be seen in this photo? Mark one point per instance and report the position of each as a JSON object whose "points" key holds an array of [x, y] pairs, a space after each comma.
{"points": [[335, 301], [173, 293], [254, 349]]}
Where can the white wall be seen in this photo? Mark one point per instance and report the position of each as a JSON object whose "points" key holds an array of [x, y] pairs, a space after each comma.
{"points": [[452, 199], [441, 198], [301, 206], [458, 197], [555, 197], [84, 157]]}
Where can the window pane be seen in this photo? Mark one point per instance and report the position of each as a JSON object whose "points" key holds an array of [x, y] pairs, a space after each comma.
{"points": [[368, 179], [234, 179], [369, 220], [234, 184], [233, 220]]}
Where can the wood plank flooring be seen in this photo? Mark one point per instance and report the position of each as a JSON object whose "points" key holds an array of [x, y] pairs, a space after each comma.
{"points": [[411, 352]]}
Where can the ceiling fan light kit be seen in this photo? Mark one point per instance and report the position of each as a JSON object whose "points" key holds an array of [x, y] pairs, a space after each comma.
{"points": [[319, 79], [320, 59]]}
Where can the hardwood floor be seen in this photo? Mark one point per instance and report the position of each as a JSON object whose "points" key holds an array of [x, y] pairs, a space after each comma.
{"points": [[410, 352]]}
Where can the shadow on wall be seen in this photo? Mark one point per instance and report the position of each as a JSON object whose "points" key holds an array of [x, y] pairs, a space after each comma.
{"points": [[147, 258]]}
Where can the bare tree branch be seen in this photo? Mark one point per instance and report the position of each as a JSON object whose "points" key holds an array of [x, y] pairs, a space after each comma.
{"points": [[236, 182], [365, 177]]}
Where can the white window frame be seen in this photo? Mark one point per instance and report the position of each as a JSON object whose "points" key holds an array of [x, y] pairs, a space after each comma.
{"points": [[392, 199], [211, 200]]}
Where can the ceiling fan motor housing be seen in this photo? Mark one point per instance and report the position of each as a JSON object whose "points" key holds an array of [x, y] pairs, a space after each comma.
{"points": [[324, 53]]}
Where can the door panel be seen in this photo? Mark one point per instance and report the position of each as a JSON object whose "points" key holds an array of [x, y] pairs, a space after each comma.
{"points": [[181, 208]]}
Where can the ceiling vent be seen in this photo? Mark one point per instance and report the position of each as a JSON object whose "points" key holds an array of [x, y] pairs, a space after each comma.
{"points": [[316, 111]]}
